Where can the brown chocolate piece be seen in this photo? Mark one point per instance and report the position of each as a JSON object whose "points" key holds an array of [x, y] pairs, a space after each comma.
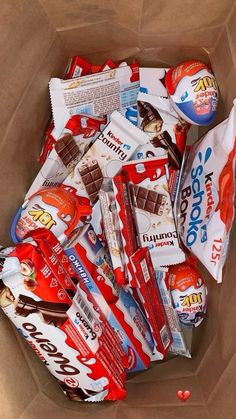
{"points": [[68, 151], [53, 313], [152, 120], [147, 199], [92, 178], [77, 394], [174, 154]]}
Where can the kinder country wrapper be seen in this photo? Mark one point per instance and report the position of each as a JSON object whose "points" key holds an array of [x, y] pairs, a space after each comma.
{"points": [[114, 145], [178, 346], [56, 209], [193, 91], [152, 207], [93, 265], [96, 94], [67, 150], [205, 207], [189, 293], [68, 335]]}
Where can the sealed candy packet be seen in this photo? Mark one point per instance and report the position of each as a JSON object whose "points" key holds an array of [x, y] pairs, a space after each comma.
{"points": [[114, 145], [189, 293], [178, 346], [193, 91], [205, 206], [69, 334], [95, 94], [56, 209], [149, 193]]}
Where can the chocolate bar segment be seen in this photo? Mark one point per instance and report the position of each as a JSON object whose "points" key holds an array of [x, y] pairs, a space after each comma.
{"points": [[152, 120], [92, 178], [52, 313], [174, 154], [147, 200], [68, 151]]}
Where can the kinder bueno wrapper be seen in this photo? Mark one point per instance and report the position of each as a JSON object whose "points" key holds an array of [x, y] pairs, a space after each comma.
{"points": [[56, 209], [166, 130], [93, 266], [189, 294], [205, 207], [114, 145], [96, 94], [149, 193], [150, 300], [178, 346], [69, 336], [193, 91]]}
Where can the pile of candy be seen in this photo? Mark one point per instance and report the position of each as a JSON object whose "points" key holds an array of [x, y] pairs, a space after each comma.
{"points": [[103, 274]]}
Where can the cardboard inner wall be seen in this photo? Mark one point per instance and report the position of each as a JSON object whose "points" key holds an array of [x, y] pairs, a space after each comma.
{"points": [[38, 37]]}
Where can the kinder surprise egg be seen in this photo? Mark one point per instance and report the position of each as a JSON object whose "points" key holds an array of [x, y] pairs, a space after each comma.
{"points": [[189, 293], [56, 209], [193, 92]]}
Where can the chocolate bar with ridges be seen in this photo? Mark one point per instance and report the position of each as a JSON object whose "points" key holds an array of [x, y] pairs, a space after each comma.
{"points": [[92, 178], [147, 199], [68, 151], [52, 313]]}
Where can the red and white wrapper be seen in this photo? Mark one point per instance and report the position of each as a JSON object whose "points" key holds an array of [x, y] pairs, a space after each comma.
{"points": [[150, 300], [153, 212], [69, 333]]}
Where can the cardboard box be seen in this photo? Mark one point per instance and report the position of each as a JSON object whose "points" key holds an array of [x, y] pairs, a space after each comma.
{"points": [[37, 40]]}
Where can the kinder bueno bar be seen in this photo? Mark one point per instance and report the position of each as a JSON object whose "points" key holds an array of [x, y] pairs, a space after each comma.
{"points": [[114, 145], [67, 149], [65, 336], [152, 81], [56, 209], [92, 263], [112, 230], [152, 207], [151, 300], [96, 94], [178, 346], [205, 207], [126, 223]]}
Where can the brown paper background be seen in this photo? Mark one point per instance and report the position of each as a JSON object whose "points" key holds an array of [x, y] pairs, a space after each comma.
{"points": [[37, 39]]}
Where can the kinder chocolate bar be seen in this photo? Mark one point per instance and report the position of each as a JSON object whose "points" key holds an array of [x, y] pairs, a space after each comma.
{"points": [[93, 265], [114, 145], [178, 346], [152, 207], [56, 209], [126, 223], [67, 149], [205, 207], [36, 320], [76, 68], [95, 94], [151, 300], [112, 231], [152, 81]]}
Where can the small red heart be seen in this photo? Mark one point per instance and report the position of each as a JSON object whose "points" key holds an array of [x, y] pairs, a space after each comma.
{"points": [[183, 395]]}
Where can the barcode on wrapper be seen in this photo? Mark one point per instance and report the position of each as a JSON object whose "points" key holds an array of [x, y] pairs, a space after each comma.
{"points": [[164, 336], [86, 310], [145, 270]]}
